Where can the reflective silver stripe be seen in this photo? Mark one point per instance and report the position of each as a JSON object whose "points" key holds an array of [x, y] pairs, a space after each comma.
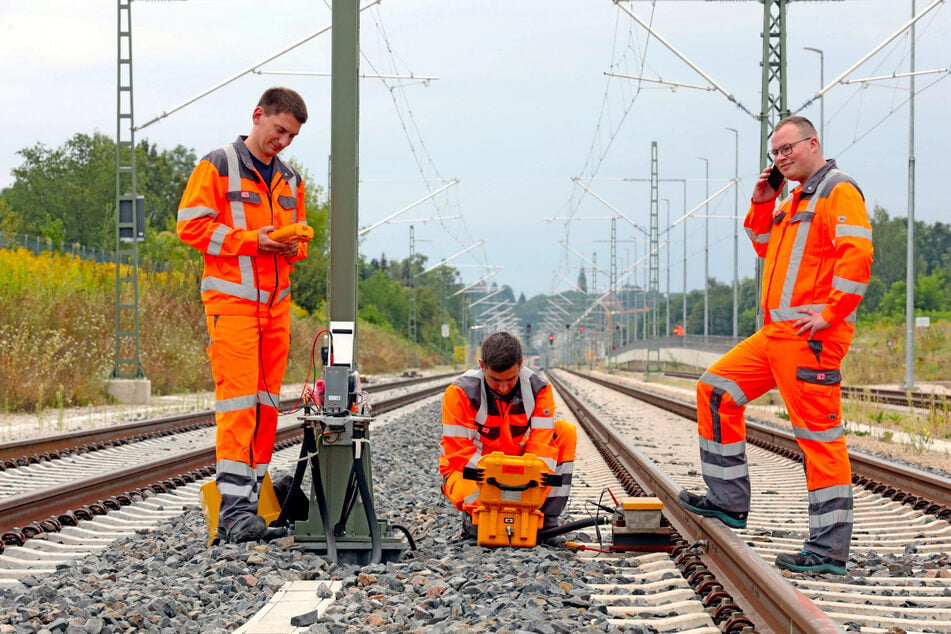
{"points": [[473, 498], [235, 404], [560, 492], [483, 412], [720, 449], [725, 473], [261, 469], [804, 219], [237, 490], [292, 183], [851, 318], [795, 260], [457, 431], [761, 238], [528, 397], [217, 239], [269, 399], [848, 286], [551, 463], [243, 291], [831, 518], [853, 231], [238, 218], [283, 293], [828, 435], [476, 457], [827, 494], [728, 386], [234, 467], [792, 312], [540, 422], [190, 213]]}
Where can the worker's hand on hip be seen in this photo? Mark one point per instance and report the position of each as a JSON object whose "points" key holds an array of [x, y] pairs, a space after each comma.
{"points": [[811, 322]]}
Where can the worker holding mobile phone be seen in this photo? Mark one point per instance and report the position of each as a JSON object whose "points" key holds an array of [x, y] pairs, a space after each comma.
{"points": [[817, 250]]}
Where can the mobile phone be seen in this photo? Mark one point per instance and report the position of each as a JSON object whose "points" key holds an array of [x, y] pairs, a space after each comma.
{"points": [[775, 178]]}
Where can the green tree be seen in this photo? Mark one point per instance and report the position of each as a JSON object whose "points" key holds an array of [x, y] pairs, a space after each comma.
{"points": [[890, 237], [874, 293], [68, 193], [381, 295], [161, 176], [932, 292]]}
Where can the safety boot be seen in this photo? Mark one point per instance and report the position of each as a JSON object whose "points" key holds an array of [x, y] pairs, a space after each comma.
{"points": [[251, 529], [700, 505], [468, 530], [808, 561]]}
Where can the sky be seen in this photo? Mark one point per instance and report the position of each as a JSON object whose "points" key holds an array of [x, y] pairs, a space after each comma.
{"points": [[524, 107]]}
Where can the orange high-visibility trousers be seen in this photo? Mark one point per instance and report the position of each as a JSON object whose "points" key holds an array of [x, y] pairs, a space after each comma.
{"points": [[248, 355], [807, 374]]}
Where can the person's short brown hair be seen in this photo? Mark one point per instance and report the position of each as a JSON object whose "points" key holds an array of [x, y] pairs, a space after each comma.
{"points": [[803, 124], [280, 99], [501, 351]]}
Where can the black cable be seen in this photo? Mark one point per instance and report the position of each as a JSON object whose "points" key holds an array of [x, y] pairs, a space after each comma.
{"points": [[547, 533], [406, 533], [282, 519], [375, 537], [321, 499]]}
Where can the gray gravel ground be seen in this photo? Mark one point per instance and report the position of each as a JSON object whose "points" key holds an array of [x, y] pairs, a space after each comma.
{"points": [[169, 581]]}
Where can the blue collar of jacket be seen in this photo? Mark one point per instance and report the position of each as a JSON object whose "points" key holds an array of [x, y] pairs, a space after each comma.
{"points": [[812, 183]]}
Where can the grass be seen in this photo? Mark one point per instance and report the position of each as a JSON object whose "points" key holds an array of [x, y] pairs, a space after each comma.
{"points": [[57, 334], [877, 356]]}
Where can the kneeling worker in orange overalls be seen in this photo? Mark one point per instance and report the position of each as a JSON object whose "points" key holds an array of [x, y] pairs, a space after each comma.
{"points": [[817, 250], [503, 406]]}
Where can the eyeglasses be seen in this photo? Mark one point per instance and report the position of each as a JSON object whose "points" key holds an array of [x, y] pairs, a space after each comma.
{"points": [[786, 150]]}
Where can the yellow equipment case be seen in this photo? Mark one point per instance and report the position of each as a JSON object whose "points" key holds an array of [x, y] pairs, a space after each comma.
{"points": [[510, 495]]}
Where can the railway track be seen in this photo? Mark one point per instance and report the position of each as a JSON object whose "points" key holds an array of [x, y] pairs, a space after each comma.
{"points": [[707, 585], [34, 450], [44, 495], [899, 545], [875, 396]]}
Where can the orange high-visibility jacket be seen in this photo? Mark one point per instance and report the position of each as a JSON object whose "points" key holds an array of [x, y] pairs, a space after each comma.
{"points": [[475, 425], [818, 254], [224, 204]]}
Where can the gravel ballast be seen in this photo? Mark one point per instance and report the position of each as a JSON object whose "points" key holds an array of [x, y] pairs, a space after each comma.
{"points": [[168, 580]]}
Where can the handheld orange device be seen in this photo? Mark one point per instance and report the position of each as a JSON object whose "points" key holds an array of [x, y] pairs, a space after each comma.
{"points": [[290, 233]]}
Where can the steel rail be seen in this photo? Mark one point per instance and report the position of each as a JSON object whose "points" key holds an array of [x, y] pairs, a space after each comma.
{"points": [[758, 588], [875, 395], [21, 510], [31, 450], [899, 482]]}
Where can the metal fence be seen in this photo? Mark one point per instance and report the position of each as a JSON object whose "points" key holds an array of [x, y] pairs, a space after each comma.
{"points": [[39, 244]]}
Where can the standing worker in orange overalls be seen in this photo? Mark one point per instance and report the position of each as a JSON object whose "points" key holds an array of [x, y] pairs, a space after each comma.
{"points": [[235, 197], [503, 406], [817, 247]]}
